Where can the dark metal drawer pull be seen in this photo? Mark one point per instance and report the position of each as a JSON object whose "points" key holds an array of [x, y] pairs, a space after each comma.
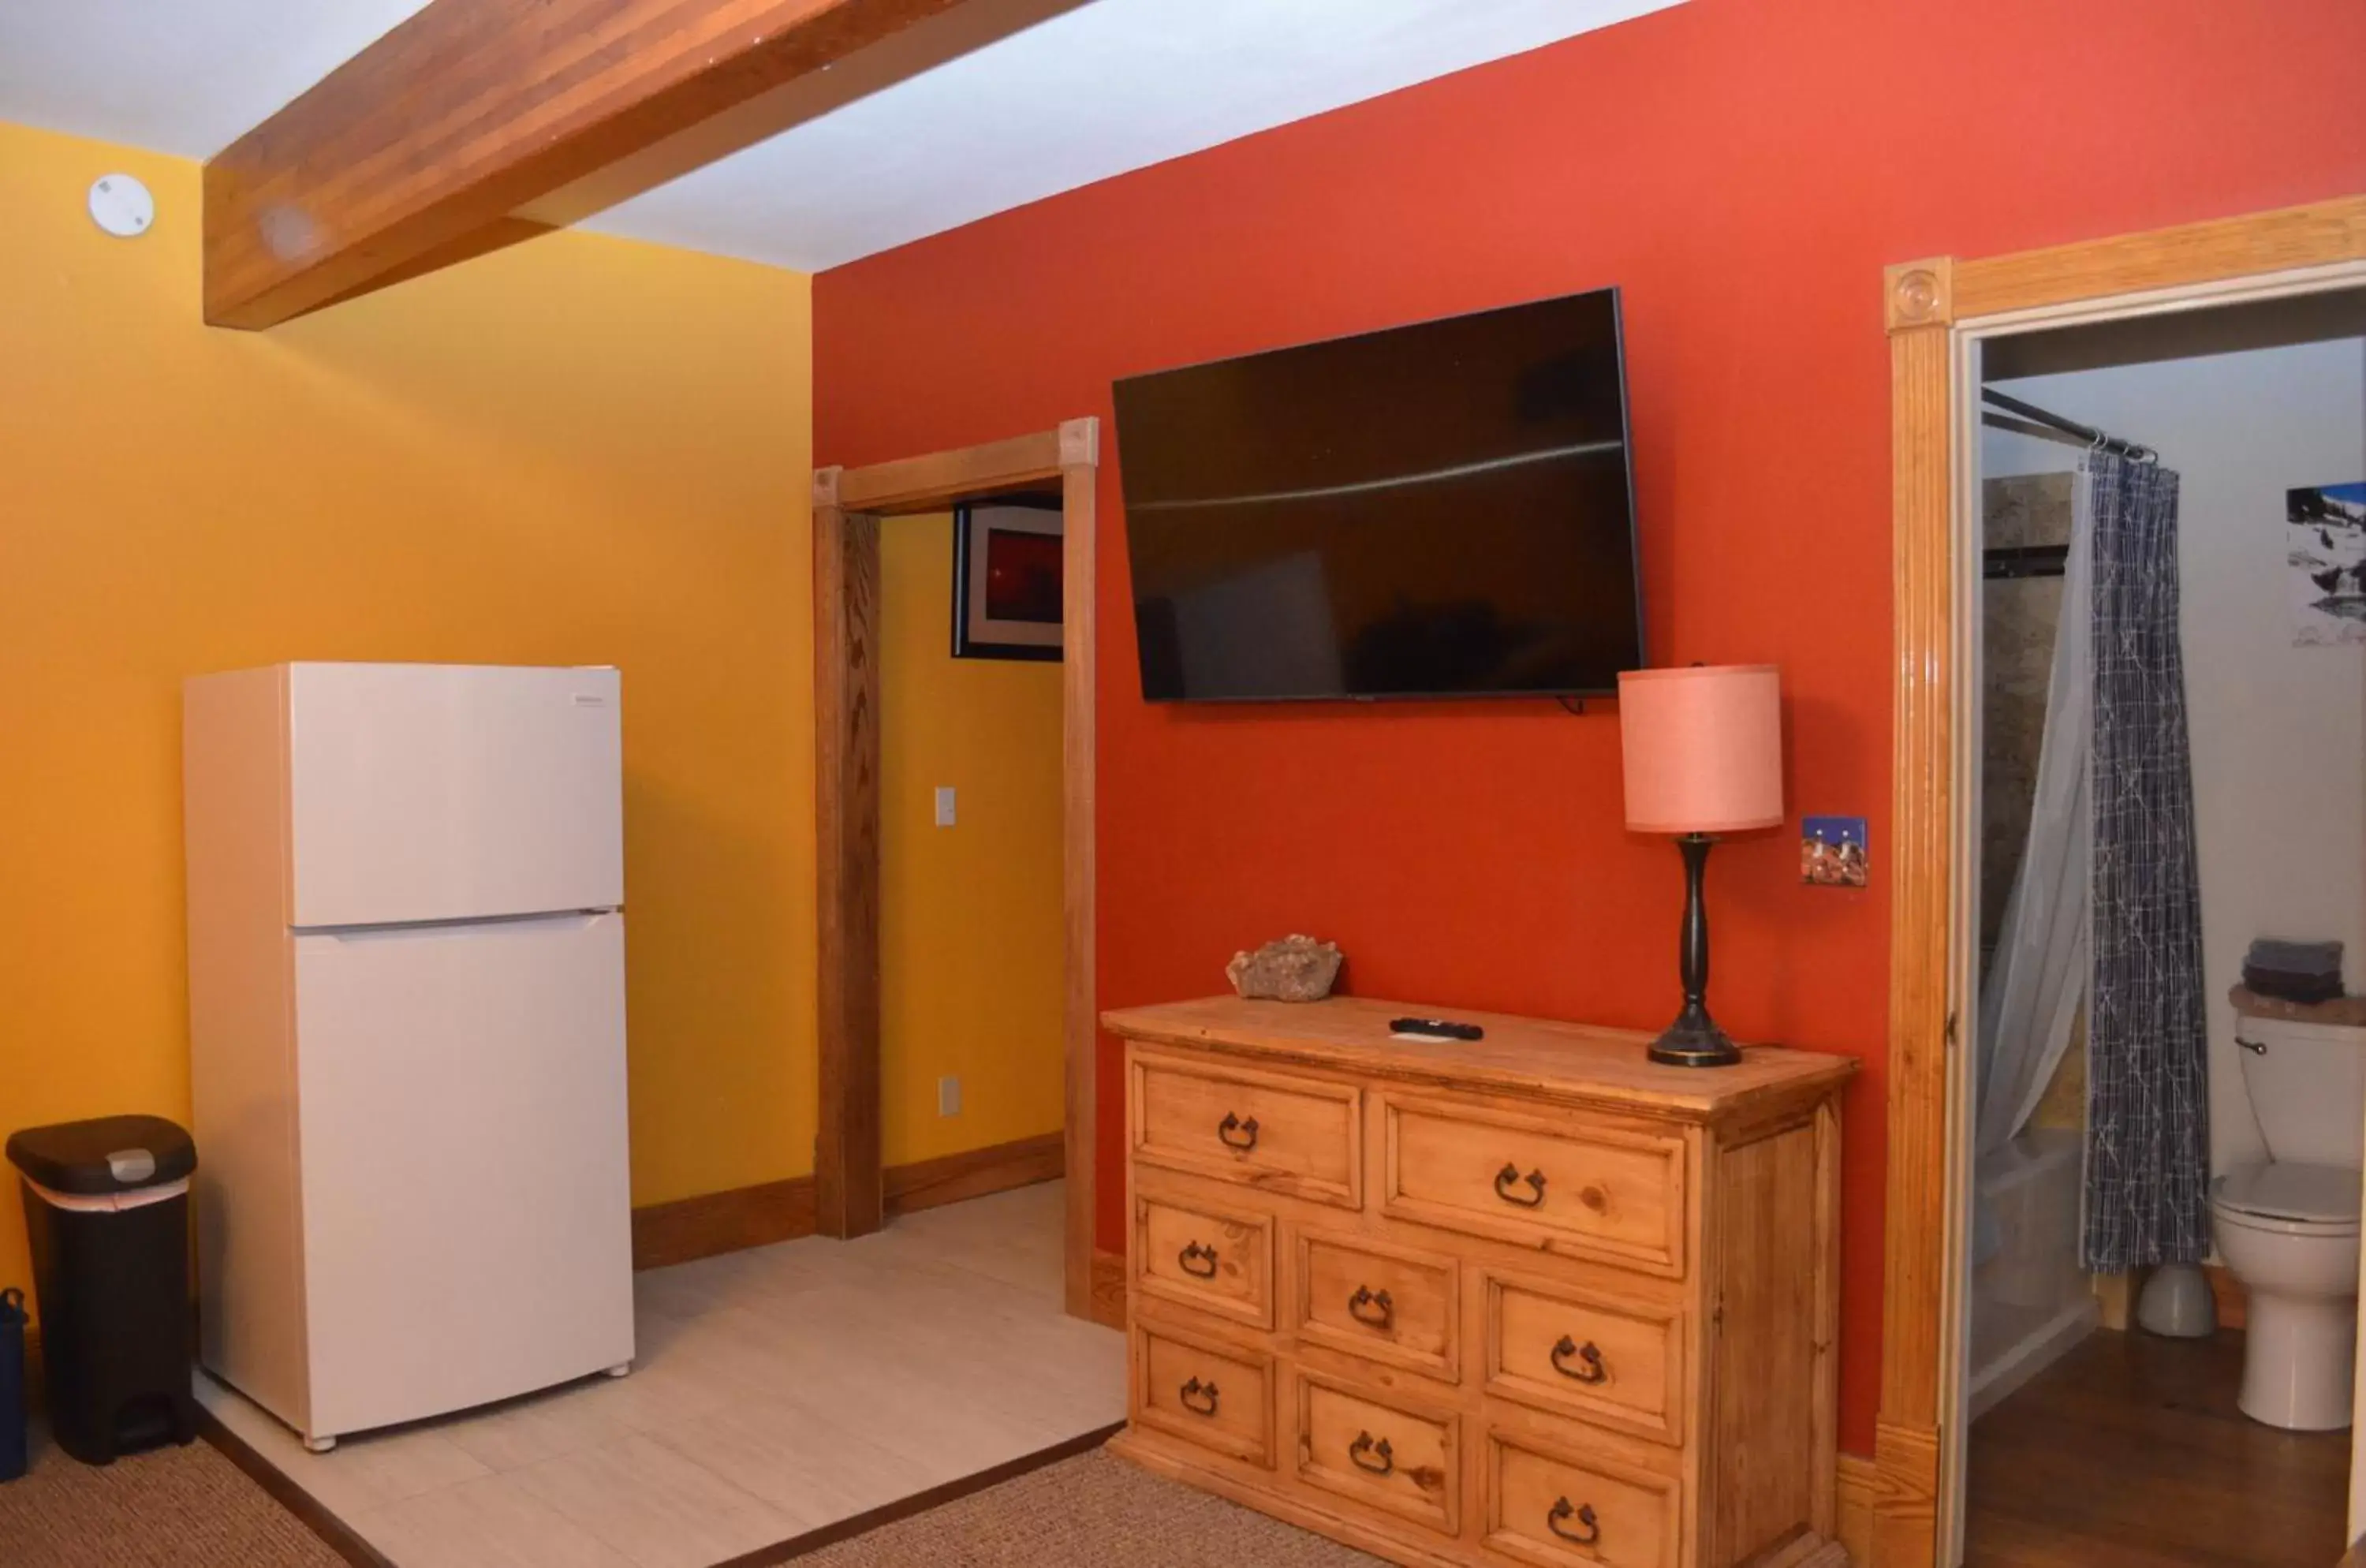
{"points": [[1194, 1391], [1196, 1260], [1510, 1176], [1364, 1445], [1592, 1372], [1230, 1124], [1372, 1308], [1561, 1510]]}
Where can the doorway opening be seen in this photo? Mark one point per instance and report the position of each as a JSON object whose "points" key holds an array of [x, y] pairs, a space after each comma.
{"points": [[2169, 673], [853, 1188]]}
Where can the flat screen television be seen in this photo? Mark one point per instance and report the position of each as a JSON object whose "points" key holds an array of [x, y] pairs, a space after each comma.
{"points": [[1442, 509]]}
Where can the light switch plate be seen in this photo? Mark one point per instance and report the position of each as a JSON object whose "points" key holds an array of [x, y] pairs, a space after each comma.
{"points": [[1832, 851], [944, 806]]}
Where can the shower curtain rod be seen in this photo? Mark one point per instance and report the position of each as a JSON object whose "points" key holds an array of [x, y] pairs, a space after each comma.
{"points": [[2086, 432], [2006, 561]]}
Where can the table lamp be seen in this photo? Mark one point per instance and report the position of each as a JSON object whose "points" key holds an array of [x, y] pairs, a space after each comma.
{"points": [[1703, 749]]}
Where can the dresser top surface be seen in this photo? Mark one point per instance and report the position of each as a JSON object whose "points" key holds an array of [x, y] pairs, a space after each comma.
{"points": [[1522, 1056]]}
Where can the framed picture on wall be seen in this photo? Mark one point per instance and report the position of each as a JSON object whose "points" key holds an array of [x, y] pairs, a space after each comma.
{"points": [[2324, 562], [1007, 578]]}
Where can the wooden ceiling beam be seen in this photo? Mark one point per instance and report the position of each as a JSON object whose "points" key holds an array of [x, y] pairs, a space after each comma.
{"points": [[405, 155]]}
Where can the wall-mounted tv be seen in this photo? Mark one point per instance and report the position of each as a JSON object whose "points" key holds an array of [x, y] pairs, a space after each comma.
{"points": [[1442, 509]]}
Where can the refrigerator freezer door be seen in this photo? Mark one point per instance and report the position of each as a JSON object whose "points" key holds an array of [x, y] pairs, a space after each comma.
{"points": [[467, 1204], [435, 792]]}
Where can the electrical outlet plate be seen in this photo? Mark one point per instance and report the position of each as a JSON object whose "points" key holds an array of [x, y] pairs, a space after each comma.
{"points": [[944, 806], [949, 1097]]}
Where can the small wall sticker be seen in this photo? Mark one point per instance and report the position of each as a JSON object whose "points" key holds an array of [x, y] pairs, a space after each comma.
{"points": [[1831, 852]]}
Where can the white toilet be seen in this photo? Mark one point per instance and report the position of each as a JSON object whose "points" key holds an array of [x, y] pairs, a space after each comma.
{"points": [[2287, 1226]]}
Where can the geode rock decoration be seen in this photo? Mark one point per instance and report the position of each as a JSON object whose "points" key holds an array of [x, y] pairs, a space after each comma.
{"points": [[1295, 969]]}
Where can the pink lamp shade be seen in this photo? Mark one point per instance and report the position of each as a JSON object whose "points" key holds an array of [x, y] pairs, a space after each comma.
{"points": [[1703, 747]]}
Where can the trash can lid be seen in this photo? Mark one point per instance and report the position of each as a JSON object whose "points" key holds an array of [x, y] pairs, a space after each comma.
{"points": [[106, 1153]]}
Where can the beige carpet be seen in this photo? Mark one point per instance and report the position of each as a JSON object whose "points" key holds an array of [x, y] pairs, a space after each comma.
{"points": [[192, 1508], [1087, 1512], [167, 1508]]}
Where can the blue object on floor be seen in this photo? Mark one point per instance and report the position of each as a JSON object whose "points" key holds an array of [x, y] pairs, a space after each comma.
{"points": [[12, 1384]]}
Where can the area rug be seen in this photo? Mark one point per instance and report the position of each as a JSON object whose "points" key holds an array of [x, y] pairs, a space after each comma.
{"points": [[194, 1508], [168, 1509], [1086, 1512]]}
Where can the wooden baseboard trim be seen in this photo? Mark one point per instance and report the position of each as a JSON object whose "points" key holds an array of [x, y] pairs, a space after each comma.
{"points": [[1108, 1289], [2115, 1301], [338, 1536], [2232, 1309], [716, 1223], [953, 1178], [1857, 1480], [1906, 1496]]}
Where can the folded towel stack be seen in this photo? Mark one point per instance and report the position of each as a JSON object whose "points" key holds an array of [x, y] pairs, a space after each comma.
{"points": [[2294, 971]]}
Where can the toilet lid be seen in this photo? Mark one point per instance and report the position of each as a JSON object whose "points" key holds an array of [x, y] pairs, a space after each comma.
{"points": [[2283, 1190]]}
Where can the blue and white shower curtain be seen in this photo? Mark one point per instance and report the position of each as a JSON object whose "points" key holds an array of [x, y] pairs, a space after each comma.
{"points": [[2147, 1182]]}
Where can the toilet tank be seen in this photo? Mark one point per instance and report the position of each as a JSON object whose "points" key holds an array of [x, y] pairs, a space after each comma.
{"points": [[2308, 1084]]}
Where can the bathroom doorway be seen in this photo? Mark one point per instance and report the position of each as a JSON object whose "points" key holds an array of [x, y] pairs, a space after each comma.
{"points": [[2164, 788]]}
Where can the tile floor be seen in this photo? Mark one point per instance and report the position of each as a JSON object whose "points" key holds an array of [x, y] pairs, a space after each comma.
{"points": [[776, 1391]]}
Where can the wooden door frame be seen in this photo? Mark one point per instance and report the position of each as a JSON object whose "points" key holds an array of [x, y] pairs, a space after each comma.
{"points": [[847, 506], [1936, 308]]}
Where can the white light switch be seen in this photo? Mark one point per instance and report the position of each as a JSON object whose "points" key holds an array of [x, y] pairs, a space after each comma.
{"points": [[949, 1097], [944, 806]]}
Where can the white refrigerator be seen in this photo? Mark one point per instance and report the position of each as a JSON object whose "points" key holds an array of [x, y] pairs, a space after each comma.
{"points": [[407, 1027]]}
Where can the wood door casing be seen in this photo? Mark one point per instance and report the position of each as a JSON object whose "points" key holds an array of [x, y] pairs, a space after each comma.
{"points": [[1930, 306], [846, 506]]}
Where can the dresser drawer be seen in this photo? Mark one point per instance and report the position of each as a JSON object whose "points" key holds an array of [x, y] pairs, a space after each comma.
{"points": [[1301, 1137], [1204, 1256], [1572, 1352], [1566, 1510], [1397, 1461], [1203, 1392], [1601, 1191], [1379, 1300]]}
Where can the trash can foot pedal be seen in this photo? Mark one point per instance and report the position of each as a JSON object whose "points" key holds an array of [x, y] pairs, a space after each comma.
{"points": [[319, 1445], [620, 1370]]}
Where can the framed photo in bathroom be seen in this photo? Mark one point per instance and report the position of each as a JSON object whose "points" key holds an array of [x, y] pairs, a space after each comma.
{"points": [[2324, 562]]}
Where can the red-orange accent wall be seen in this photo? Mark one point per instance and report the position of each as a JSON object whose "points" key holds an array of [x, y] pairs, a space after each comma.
{"points": [[1743, 170]]}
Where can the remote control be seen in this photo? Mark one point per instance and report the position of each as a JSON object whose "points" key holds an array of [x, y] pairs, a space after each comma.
{"points": [[1441, 1028]]}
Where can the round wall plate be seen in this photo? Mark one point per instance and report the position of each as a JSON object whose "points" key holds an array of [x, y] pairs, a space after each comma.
{"points": [[121, 205]]}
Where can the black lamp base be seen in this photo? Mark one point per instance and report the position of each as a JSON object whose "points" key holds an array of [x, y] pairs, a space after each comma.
{"points": [[1695, 1039]]}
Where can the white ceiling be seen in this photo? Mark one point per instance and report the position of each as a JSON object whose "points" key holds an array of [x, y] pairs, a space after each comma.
{"points": [[185, 76], [1107, 87]]}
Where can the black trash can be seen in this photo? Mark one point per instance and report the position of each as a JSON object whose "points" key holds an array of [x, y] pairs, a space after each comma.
{"points": [[12, 1384], [107, 1202]]}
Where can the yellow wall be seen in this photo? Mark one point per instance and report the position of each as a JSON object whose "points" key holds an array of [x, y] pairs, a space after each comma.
{"points": [[581, 450], [970, 924]]}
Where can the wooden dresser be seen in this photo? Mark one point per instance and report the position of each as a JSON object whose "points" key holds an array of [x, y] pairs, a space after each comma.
{"points": [[1530, 1300]]}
